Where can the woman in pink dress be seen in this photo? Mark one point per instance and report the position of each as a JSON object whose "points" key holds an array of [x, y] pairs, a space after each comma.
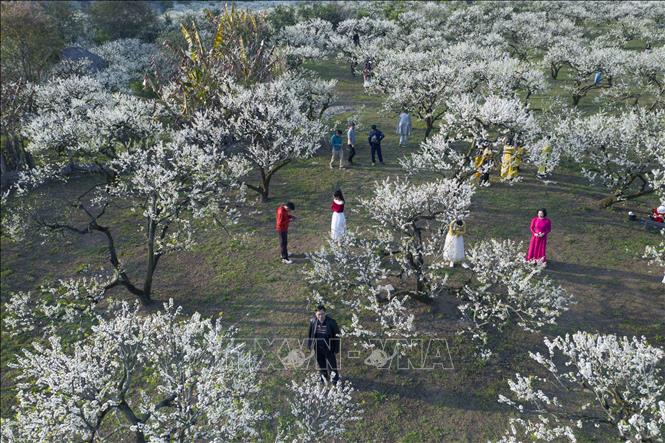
{"points": [[540, 227]]}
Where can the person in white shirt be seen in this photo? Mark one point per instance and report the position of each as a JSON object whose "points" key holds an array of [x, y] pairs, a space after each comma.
{"points": [[351, 141]]}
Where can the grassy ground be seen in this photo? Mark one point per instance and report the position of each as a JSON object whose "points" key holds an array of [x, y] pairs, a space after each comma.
{"points": [[594, 253]]}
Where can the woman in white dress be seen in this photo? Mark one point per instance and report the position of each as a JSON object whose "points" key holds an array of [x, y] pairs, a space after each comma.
{"points": [[453, 248], [404, 128], [338, 223]]}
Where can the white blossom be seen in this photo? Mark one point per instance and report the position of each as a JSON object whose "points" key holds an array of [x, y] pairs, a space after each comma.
{"points": [[506, 289], [205, 382], [618, 381], [321, 411], [621, 152]]}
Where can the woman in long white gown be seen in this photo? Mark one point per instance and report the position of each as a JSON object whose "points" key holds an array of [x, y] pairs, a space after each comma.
{"points": [[453, 248], [404, 128], [338, 223]]}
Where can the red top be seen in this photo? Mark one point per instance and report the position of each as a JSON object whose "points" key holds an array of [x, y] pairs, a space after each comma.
{"points": [[337, 208], [657, 216], [541, 225], [283, 219]]}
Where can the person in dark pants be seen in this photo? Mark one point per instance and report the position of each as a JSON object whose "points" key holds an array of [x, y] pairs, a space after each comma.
{"points": [[351, 141], [324, 336], [375, 137], [282, 227]]}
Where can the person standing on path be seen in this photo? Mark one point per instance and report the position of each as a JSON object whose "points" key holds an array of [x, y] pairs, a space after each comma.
{"points": [[324, 336], [540, 227], [375, 137], [282, 227], [546, 154], [453, 248], [483, 164], [336, 143], [351, 141], [507, 161], [404, 128], [338, 222]]}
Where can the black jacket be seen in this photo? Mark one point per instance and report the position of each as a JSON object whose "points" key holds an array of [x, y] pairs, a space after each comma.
{"points": [[379, 136], [333, 335]]}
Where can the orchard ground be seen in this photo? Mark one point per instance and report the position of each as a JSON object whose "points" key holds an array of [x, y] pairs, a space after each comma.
{"points": [[594, 253]]}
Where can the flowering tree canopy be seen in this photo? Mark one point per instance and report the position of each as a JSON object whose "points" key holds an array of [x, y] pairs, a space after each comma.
{"points": [[620, 152], [205, 382], [320, 411], [167, 176], [505, 289], [618, 381], [422, 83], [270, 123]]}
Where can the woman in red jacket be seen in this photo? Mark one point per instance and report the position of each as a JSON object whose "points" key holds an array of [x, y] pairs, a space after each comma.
{"points": [[282, 227]]}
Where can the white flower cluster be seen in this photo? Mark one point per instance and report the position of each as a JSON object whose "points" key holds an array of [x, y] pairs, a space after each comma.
{"points": [[506, 289], [65, 307], [320, 411], [204, 382], [354, 270], [618, 382], [124, 61], [409, 226], [437, 154], [271, 125], [621, 152], [168, 175]]}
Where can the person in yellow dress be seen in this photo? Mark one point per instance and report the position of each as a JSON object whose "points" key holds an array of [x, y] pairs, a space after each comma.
{"points": [[547, 153], [482, 163], [517, 157], [507, 161]]}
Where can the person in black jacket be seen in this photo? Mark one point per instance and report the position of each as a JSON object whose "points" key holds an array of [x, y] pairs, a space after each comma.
{"points": [[374, 139], [324, 336]]}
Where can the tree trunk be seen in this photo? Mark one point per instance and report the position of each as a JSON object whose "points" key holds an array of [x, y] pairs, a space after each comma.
{"points": [[430, 125], [264, 190], [133, 419], [608, 201], [619, 196], [152, 263], [554, 71], [576, 99]]}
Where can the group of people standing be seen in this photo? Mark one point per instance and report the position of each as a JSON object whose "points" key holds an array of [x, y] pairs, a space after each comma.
{"points": [[511, 160], [453, 249], [374, 139]]}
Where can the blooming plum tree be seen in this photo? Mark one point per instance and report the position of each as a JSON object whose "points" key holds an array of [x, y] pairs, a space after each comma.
{"points": [[601, 369]]}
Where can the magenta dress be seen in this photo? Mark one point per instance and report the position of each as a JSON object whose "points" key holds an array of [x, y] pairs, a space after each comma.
{"points": [[538, 244]]}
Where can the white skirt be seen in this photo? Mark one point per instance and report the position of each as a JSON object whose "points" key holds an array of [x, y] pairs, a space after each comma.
{"points": [[337, 225], [453, 248]]}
